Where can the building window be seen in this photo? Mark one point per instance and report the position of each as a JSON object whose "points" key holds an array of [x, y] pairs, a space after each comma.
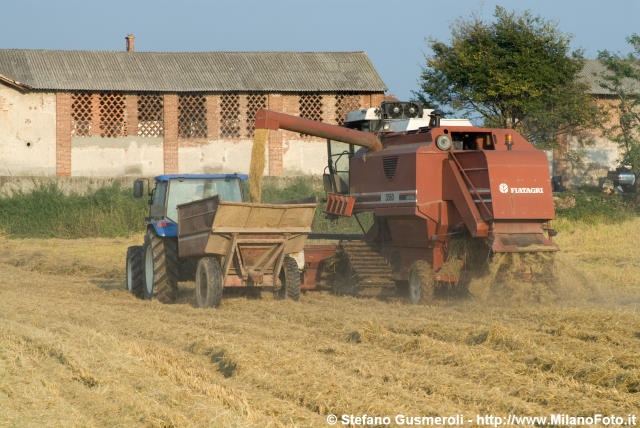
{"points": [[230, 116], [112, 117], [192, 116], [310, 108], [80, 114], [254, 103], [150, 116], [344, 104]]}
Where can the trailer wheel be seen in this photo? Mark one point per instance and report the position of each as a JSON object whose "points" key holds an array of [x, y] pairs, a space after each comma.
{"points": [[421, 283], [160, 268], [289, 280], [208, 282], [135, 270]]}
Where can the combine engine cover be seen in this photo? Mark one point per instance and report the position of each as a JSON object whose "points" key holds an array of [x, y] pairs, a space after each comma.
{"points": [[522, 201]]}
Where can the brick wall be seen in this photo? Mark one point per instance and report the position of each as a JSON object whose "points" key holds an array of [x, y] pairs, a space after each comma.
{"points": [[131, 115], [63, 134], [278, 144], [213, 115]]}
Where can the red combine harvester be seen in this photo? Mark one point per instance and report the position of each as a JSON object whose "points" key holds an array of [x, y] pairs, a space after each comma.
{"points": [[443, 197]]}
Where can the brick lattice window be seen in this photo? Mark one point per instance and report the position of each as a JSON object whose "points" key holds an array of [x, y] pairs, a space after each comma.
{"points": [[344, 104], [230, 116], [150, 116], [192, 116], [254, 103], [80, 114], [311, 106], [112, 117]]}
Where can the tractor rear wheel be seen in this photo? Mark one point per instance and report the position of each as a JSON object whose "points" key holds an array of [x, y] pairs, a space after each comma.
{"points": [[160, 268], [421, 287], [135, 270], [209, 282], [288, 280]]}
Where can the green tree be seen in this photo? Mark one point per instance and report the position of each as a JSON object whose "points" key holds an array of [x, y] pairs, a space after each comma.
{"points": [[517, 72], [622, 79]]}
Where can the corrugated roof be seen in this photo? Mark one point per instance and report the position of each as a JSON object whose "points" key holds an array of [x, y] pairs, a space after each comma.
{"points": [[591, 74], [191, 71]]}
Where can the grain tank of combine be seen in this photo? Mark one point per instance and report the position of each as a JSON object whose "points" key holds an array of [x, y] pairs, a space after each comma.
{"points": [[444, 196]]}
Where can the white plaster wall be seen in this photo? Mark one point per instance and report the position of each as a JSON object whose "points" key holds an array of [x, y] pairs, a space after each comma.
{"points": [[217, 157], [27, 133], [595, 161], [299, 157], [121, 156], [302, 157]]}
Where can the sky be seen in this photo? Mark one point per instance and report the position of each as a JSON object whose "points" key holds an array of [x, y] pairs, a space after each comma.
{"points": [[393, 34]]}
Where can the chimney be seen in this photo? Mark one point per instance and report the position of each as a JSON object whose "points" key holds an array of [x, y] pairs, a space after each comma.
{"points": [[129, 40]]}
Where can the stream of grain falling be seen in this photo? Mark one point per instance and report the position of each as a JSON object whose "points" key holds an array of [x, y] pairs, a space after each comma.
{"points": [[256, 168]]}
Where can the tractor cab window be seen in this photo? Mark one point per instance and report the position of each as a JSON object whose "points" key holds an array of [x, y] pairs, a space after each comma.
{"points": [[158, 198], [182, 191], [337, 180], [472, 141], [159, 193]]}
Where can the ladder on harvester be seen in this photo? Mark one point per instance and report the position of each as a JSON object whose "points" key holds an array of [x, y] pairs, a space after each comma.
{"points": [[469, 190], [476, 177]]}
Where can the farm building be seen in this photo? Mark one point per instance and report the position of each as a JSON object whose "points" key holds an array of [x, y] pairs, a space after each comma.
{"points": [[97, 113], [588, 164]]}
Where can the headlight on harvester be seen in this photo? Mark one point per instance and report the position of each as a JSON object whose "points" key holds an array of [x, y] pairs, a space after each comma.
{"points": [[443, 142]]}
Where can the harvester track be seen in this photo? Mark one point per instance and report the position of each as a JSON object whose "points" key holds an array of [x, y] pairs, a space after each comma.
{"points": [[365, 267]]}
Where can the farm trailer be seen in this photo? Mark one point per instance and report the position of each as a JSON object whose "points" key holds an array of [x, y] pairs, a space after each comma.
{"points": [[154, 269]]}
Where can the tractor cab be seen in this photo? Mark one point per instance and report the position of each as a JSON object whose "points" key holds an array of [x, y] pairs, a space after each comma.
{"points": [[174, 189]]}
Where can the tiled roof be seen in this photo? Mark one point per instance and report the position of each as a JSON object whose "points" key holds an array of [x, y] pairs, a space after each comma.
{"points": [[591, 75], [190, 71]]}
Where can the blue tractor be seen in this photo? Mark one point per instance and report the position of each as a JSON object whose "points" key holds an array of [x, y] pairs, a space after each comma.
{"points": [[154, 268]]}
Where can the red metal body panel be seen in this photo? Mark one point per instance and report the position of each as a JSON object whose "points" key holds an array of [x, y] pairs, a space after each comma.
{"points": [[315, 256], [339, 205], [520, 185]]}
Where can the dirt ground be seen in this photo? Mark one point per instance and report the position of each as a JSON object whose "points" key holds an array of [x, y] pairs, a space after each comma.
{"points": [[77, 350]]}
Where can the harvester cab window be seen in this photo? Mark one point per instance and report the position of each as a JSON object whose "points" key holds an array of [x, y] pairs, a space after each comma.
{"points": [[338, 165], [472, 141], [365, 125]]}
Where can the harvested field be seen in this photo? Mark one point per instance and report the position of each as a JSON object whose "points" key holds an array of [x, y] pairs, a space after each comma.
{"points": [[77, 350]]}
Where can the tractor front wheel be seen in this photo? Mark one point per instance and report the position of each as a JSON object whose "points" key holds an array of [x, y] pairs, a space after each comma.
{"points": [[160, 268], [135, 270]]}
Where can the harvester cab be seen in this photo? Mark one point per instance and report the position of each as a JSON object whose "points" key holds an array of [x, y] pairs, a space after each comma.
{"points": [[445, 196], [390, 117], [395, 116]]}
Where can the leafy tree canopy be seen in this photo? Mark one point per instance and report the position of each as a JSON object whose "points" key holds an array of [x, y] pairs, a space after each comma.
{"points": [[517, 72]]}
